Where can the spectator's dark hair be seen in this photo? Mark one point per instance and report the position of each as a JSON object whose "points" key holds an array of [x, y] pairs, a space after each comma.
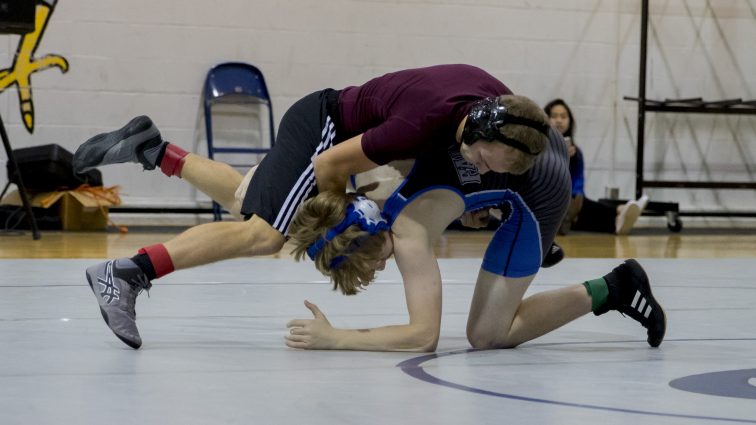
{"points": [[559, 102]]}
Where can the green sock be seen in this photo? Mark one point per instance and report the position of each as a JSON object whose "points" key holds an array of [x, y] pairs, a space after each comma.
{"points": [[598, 290]]}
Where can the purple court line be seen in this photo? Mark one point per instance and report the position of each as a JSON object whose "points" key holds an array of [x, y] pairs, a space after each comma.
{"points": [[413, 367]]}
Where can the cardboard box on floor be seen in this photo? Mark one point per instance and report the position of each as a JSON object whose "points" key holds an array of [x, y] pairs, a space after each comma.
{"points": [[78, 209]]}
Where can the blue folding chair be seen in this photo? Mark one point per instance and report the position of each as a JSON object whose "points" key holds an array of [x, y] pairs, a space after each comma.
{"points": [[234, 83]]}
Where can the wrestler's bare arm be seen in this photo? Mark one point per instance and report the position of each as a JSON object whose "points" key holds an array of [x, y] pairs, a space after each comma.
{"points": [[333, 167], [415, 230]]}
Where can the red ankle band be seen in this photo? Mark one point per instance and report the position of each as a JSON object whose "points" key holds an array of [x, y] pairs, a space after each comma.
{"points": [[160, 259], [173, 160]]}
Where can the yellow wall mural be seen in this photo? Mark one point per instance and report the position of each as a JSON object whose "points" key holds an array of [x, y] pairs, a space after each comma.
{"points": [[24, 63]]}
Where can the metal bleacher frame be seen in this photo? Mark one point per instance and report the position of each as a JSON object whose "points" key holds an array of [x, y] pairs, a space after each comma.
{"points": [[678, 106]]}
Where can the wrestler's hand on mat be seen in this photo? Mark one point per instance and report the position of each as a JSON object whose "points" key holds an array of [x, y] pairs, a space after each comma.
{"points": [[475, 219], [310, 334]]}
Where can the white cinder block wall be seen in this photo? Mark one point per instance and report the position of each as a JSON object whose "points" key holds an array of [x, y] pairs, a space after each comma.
{"points": [[150, 57]]}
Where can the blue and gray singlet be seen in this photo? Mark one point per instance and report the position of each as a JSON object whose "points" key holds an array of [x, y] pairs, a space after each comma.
{"points": [[532, 204]]}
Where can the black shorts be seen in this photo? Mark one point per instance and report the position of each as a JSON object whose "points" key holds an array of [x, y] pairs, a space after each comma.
{"points": [[285, 177]]}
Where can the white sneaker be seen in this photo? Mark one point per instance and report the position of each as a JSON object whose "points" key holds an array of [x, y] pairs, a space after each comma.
{"points": [[629, 215]]}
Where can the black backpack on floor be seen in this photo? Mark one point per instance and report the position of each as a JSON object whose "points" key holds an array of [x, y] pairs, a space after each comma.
{"points": [[47, 168]]}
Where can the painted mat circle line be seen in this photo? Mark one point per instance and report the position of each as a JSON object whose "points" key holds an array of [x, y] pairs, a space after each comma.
{"points": [[414, 368]]}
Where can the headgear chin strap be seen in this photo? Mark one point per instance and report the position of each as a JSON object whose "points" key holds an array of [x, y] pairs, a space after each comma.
{"points": [[487, 117], [361, 211]]}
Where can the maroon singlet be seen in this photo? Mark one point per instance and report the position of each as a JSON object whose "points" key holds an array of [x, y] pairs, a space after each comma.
{"points": [[404, 114]]}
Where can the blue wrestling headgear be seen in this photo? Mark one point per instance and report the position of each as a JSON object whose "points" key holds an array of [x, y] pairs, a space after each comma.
{"points": [[487, 117], [361, 211]]}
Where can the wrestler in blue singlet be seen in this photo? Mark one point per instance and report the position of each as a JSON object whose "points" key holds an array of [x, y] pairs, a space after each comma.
{"points": [[532, 204]]}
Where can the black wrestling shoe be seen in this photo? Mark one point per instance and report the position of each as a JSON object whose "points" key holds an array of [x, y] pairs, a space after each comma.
{"points": [[138, 141], [630, 294], [555, 255]]}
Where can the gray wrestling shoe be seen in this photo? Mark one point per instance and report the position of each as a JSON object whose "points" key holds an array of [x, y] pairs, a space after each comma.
{"points": [[630, 294], [116, 284], [138, 141]]}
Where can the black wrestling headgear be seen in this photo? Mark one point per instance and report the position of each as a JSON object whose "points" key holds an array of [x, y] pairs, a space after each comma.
{"points": [[486, 119]]}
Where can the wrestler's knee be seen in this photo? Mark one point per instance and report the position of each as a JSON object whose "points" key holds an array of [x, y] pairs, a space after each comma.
{"points": [[485, 339], [261, 238]]}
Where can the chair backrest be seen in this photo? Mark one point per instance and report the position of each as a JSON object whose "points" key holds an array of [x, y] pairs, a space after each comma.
{"points": [[235, 80], [237, 83]]}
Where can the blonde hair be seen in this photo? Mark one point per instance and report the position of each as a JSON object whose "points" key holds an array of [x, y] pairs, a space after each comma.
{"points": [[314, 218], [521, 106]]}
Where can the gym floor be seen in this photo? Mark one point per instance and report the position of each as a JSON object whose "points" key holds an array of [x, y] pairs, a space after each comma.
{"points": [[214, 353]]}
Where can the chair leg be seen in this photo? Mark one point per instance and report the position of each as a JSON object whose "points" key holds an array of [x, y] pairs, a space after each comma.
{"points": [[5, 189], [217, 212]]}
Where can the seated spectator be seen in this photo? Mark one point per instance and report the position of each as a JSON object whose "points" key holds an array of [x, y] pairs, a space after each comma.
{"points": [[583, 213]]}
